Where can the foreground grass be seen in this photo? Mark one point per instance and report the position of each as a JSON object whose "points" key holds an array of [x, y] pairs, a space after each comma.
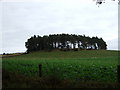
{"points": [[14, 80], [83, 66]]}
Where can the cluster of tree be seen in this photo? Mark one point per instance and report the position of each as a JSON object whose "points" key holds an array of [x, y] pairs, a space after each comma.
{"points": [[64, 42]]}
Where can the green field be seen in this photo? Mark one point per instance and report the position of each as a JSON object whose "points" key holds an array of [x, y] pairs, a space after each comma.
{"points": [[86, 65]]}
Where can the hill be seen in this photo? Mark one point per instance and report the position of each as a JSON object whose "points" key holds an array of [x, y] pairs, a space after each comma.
{"points": [[75, 66]]}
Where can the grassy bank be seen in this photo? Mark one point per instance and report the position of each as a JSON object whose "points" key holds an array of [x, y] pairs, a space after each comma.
{"points": [[79, 66]]}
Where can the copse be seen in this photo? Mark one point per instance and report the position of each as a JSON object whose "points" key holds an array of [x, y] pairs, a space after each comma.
{"points": [[64, 42]]}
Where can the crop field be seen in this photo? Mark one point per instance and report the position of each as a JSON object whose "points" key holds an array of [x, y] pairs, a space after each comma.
{"points": [[92, 65]]}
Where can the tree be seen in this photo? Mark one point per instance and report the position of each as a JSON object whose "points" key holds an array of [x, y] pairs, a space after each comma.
{"points": [[99, 2], [64, 42]]}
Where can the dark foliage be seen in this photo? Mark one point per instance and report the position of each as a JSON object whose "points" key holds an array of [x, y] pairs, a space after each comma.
{"points": [[64, 42]]}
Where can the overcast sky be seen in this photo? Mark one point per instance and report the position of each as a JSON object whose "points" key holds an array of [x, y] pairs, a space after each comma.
{"points": [[21, 20]]}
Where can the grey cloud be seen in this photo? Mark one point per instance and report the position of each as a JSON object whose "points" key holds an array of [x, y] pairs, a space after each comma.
{"points": [[22, 20]]}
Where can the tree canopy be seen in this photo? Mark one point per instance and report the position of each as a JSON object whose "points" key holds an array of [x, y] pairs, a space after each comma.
{"points": [[64, 42], [99, 2]]}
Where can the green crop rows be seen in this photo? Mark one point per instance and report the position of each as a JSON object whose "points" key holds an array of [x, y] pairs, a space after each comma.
{"points": [[85, 65]]}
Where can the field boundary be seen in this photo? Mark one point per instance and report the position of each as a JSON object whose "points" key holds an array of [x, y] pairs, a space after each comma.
{"points": [[11, 55]]}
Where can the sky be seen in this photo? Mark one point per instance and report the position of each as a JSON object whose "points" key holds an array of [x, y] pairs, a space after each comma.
{"points": [[22, 19]]}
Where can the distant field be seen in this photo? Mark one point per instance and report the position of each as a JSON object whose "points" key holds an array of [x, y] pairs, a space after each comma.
{"points": [[86, 65]]}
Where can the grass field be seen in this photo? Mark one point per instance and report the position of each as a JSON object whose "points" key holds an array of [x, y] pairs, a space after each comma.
{"points": [[86, 65]]}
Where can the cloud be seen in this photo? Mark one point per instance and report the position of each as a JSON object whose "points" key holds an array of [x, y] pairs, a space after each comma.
{"points": [[113, 44], [21, 20]]}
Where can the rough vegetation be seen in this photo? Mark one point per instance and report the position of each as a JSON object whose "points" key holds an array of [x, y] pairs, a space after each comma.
{"points": [[94, 68], [14, 80]]}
